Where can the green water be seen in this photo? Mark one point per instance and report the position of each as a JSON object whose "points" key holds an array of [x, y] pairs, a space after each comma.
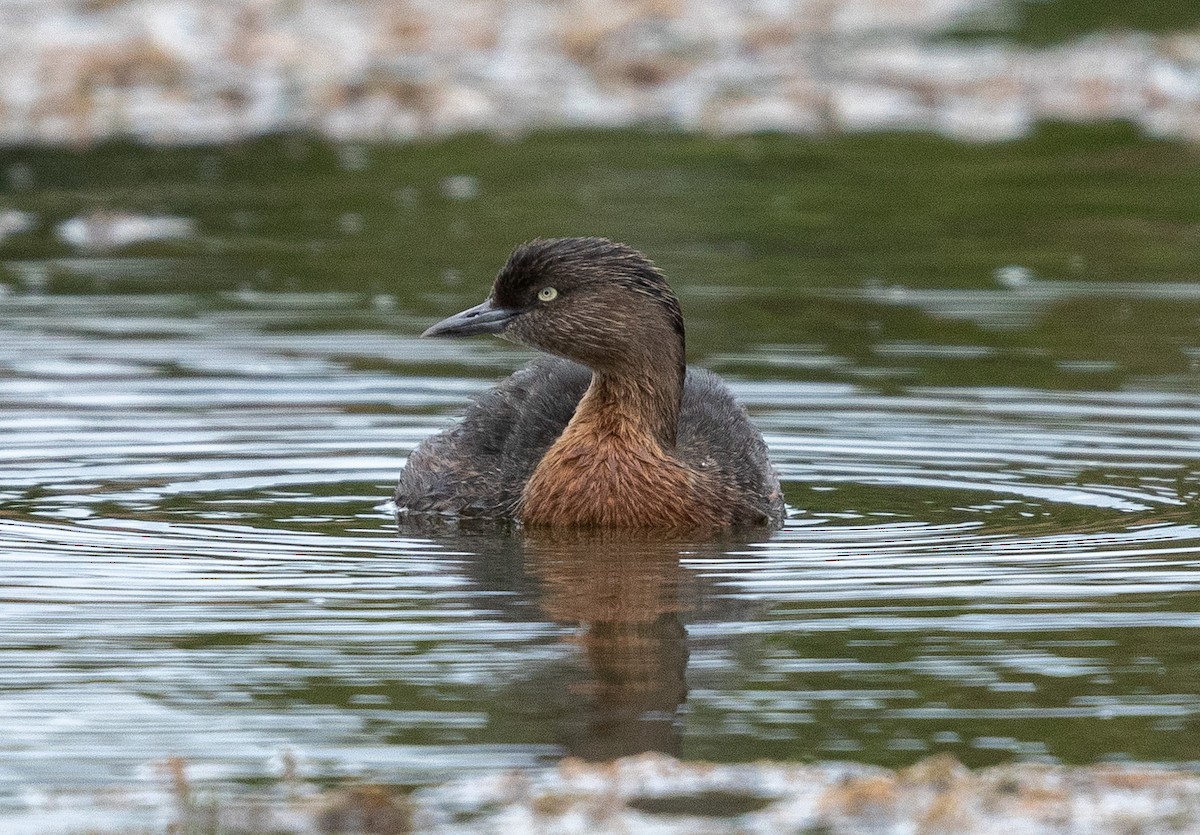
{"points": [[1046, 22], [753, 220], [1067, 203]]}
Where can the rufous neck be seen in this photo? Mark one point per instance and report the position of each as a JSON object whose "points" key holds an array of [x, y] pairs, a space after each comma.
{"points": [[633, 406]]}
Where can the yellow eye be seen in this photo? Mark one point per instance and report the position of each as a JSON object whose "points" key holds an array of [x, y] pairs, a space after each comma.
{"points": [[547, 294]]}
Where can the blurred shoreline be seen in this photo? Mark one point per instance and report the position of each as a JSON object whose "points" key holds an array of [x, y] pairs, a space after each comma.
{"points": [[656, 793], [77, 72]]}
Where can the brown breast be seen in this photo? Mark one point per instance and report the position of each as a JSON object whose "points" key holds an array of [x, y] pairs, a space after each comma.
{"points": [[591, 481]]}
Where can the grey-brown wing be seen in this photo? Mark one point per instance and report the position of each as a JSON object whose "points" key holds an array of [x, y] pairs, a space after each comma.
{"points": [[479, 466], [715, 434]]}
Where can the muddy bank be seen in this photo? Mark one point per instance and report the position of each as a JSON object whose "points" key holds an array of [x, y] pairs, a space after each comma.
{"points": [[188, 71]]}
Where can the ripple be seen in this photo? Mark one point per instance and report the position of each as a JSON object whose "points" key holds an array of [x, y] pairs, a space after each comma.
{"points": [[199, 561]]}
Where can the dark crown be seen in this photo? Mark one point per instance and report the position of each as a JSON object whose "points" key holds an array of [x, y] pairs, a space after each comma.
{"points": [[577, 262]]}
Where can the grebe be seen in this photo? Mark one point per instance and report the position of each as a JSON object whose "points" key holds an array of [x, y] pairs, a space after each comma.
{"points": [[614, 431]]}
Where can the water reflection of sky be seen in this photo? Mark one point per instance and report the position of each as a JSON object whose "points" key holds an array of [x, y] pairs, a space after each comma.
{"points": [[199, 561]]}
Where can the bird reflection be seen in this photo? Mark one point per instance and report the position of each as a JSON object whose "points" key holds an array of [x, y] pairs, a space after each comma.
{"points": [[624, 593], [627, 595]]}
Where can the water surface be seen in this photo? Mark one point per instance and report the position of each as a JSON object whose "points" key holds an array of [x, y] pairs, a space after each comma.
{"points": [[994, 548]]}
